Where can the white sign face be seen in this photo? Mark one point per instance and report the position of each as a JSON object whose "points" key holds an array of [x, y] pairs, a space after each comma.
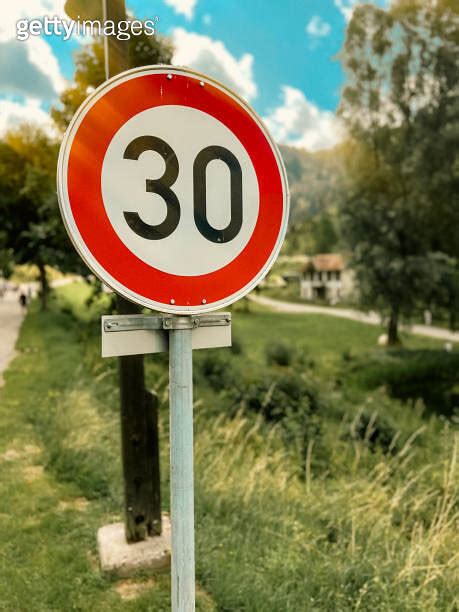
{"points": [[188, 131], [172, 190]]}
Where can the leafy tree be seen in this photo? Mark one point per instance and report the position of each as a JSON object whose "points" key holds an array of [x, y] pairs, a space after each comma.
{"points": [[32, 230], [399, 106], [90, 70]]}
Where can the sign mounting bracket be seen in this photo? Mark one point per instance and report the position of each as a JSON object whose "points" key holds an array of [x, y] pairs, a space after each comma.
{"points": [[142, 334]]}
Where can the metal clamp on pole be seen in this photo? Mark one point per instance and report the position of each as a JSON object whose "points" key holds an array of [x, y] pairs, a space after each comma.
{"points": [[121, 323]]}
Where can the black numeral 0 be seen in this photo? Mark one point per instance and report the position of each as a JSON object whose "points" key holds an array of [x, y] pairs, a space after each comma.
{"points": [[200, 201], [162, 187]]}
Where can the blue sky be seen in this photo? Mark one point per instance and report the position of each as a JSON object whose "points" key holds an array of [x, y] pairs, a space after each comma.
{"points": [[279, 55]]}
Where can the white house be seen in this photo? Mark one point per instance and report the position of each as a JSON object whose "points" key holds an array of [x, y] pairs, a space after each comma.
{"points": [[326, 278]]}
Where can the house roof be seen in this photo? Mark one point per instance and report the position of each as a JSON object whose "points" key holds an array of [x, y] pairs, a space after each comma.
{"points": [[325, 262]]}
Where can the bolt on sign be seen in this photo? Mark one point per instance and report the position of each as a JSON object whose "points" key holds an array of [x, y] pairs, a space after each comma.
{"points": [[172, 190]]}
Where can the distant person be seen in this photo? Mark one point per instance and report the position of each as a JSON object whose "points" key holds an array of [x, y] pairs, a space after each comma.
{"points": [[427, 317], [23, 299]]}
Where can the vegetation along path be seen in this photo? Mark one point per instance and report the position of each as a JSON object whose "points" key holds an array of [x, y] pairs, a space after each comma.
{"points": [[315, 489], [354, 315], [11, 316]]}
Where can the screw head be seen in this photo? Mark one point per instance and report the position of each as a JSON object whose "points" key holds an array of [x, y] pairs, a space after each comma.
{"points": [[172, 301], [169, 76], [204, 301], [201, 83]]}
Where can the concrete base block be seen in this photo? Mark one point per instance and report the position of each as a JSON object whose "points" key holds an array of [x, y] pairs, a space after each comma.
{"points": [[119, 558]]}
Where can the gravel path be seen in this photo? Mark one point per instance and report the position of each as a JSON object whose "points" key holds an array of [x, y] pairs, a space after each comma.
{"points": [[355, 315]]}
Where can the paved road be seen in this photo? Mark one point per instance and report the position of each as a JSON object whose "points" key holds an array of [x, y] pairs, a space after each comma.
{"points": [[355, 315], [11, 316]]}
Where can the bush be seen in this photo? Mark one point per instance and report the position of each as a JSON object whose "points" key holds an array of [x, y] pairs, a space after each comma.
{"points": [[216, 369], [429, 375], [288, 399], [236, 346], [280, 353], [375, 431]]}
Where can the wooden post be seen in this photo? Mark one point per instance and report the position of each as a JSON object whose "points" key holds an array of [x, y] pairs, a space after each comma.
{"points": [[139, 409], [140, 451]]}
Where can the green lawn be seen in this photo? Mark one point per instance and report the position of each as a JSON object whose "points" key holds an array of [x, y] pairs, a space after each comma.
{"points": [[357, 527]]}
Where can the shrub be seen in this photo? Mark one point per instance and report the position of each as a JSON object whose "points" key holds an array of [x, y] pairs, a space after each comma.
{"points": [[429, 375], [216, 369], [289, 400], [284, 354], [236, 346], [375, 431], [280, 353]]}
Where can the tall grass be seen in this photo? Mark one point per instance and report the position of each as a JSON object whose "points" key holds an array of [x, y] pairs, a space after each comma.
{"points": [[365, 526], [383, 538]]}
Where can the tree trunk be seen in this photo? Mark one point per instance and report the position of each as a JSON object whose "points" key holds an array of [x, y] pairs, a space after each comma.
{"points": [[140, 445], [44, 286], [392, 330]]}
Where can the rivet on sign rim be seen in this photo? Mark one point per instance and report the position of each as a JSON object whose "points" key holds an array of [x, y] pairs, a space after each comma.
{"points": [[169, 76], [201, 83], [204, 301], [172, 301]]}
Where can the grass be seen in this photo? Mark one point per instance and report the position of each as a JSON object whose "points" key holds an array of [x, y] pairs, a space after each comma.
{"points": [[364, 528]]}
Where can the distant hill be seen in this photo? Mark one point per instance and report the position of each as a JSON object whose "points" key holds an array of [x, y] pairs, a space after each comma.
{"points": [[315, 179], [316, 183]]}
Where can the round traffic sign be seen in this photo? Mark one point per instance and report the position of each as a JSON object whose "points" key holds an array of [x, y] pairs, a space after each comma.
{"points": [[172, 190]]}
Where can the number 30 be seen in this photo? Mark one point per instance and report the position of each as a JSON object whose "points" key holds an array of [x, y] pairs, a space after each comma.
{"points": [[163, 187]]}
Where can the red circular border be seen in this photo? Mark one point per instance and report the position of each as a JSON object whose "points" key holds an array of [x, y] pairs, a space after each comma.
{"points": [[91, 140]]}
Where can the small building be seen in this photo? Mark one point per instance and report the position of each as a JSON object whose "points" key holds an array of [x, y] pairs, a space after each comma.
{"points": [[325, 278]]}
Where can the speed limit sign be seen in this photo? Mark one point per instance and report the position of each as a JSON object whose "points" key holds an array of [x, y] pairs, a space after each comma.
{"points": [[172, 190]]}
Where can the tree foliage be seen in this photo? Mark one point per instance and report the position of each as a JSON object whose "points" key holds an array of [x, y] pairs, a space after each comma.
{"points": [[90, 70], [316, 190], [32, 230], [401, 108]]}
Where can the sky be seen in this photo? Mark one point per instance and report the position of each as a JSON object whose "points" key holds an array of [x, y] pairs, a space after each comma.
{"points": [[280, 55]]}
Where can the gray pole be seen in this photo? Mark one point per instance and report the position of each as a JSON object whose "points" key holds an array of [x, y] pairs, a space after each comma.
{"points": [[182, 490]]}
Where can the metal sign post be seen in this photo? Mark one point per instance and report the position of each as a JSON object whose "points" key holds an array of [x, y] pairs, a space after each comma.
{"points": [[122, 334], [181, 453]]}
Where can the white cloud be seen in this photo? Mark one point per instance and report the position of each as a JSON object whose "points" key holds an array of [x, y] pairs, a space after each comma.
{"points": [[12, 114], [30, 9], [346, 7], [318, 27], [183, 7], [212, 57], [29, 68], [41, 55], [299, 123]]}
